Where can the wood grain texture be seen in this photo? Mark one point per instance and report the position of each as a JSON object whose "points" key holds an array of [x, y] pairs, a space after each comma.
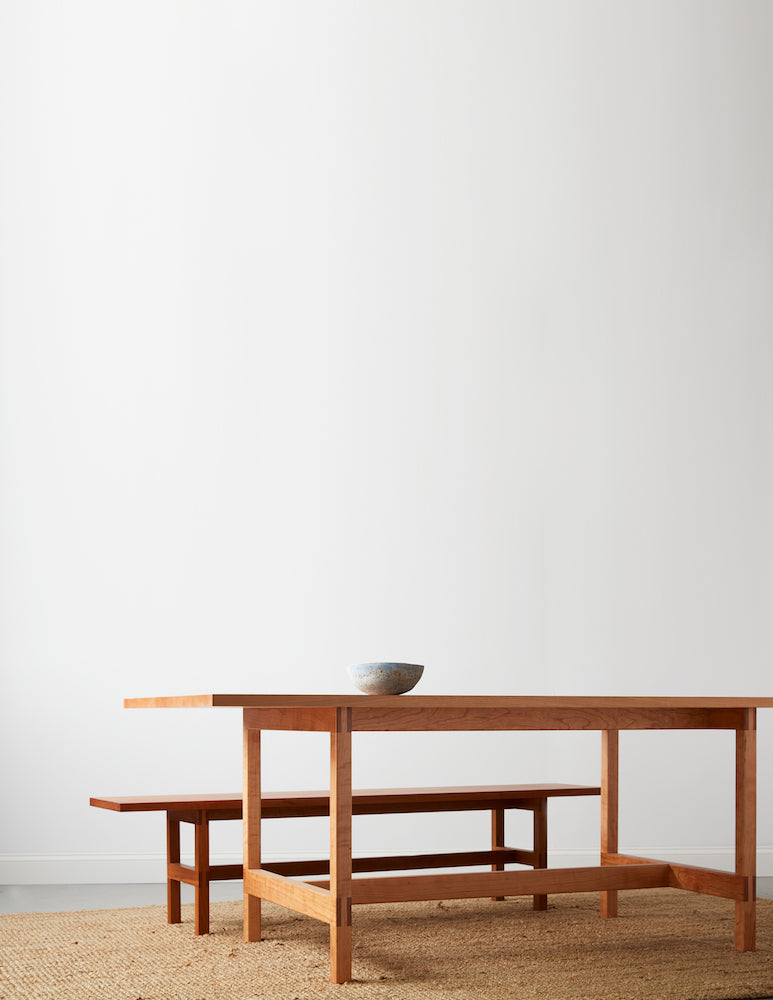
{"points": [[467, 885], [609, 809], [341, 846], [173, 912], [708, 881], [481, 712], [629, 859], [201, 854], [182, 873], [305, 718], [540, 825], [746, 831], [251, 828], [189, 875], [178, 803], [399, 702], [501, 717], [292, 893], [365, 801], [406, 862], [382, 801], [498, 841]]}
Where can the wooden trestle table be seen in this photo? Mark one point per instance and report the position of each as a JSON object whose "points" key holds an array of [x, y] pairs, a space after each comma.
{"points": [[340, 715]]}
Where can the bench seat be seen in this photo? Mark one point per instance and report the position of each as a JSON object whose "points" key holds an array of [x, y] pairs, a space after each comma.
{"points": [[199, 810]]}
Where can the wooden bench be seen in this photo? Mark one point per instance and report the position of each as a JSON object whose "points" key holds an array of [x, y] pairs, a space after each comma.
{"points": [[200, 809]]}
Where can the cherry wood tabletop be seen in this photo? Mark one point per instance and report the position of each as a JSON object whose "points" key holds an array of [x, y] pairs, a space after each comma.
{"points": [[413, 701]]}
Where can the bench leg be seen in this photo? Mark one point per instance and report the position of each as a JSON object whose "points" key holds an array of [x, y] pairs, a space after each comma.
{"points": [[497, 840], [172, 857], [201, 864], [541, 846]]}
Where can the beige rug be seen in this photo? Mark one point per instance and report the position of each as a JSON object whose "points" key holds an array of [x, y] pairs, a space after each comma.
{"points": [[666, 945]]}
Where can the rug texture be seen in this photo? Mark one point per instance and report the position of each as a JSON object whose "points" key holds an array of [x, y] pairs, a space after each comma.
{"points": [[665, 945]]}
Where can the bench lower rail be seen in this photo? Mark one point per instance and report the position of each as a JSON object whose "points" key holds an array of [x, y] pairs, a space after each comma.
{"points": [[191, 876], [406, 862]]}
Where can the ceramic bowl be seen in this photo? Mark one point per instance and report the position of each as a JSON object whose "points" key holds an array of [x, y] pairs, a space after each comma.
{"points": [[385, 678]]}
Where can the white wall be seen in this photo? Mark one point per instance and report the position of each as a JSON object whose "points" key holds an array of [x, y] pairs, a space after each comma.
{"points": [[438, 331]]}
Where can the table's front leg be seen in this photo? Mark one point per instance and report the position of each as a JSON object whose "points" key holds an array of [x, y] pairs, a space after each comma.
{"points": [[251, 827], [609, 809], [341, 846], [746, 829]]}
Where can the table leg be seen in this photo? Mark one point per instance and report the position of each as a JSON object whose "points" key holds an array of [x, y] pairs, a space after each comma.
{"points": [[341, 846], [497, 840], [201, 851], [541, 846], [745, 829], [172, 857], [251, 827], [609, 805]]}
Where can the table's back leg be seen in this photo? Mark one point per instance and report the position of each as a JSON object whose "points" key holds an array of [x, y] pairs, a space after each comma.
{"points": [[541, 845], [341, 846], [251, 828], [746, 829], [172, 857], [609, 806], [497, 840]]}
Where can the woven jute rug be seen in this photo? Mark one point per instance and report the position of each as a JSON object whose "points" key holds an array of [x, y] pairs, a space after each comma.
{"points": [[666, 945]]}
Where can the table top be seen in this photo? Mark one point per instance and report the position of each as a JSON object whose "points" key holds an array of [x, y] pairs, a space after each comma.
{"points": [[413, 701]]}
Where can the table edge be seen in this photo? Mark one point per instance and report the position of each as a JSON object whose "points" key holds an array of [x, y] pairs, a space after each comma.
{"points": [[406, 701]]}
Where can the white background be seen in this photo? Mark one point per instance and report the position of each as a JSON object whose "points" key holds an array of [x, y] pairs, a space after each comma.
{"points": [[341, 331]]}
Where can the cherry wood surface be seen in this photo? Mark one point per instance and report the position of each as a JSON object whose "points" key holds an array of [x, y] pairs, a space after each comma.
{"points": [[251, 829], [407, 862], [162, 803], [438, 799], [746, 830], [468, 885], [341, 715], [609, 810], [295, 894], [705, 880], [341, 846], [365, 801], [440, 701]]}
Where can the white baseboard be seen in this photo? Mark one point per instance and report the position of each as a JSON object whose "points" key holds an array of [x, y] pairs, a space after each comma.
{"points": [[76, 869]]}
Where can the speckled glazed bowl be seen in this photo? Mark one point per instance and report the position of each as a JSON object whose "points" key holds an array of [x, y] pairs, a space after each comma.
{"points": [[385, 678]]}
